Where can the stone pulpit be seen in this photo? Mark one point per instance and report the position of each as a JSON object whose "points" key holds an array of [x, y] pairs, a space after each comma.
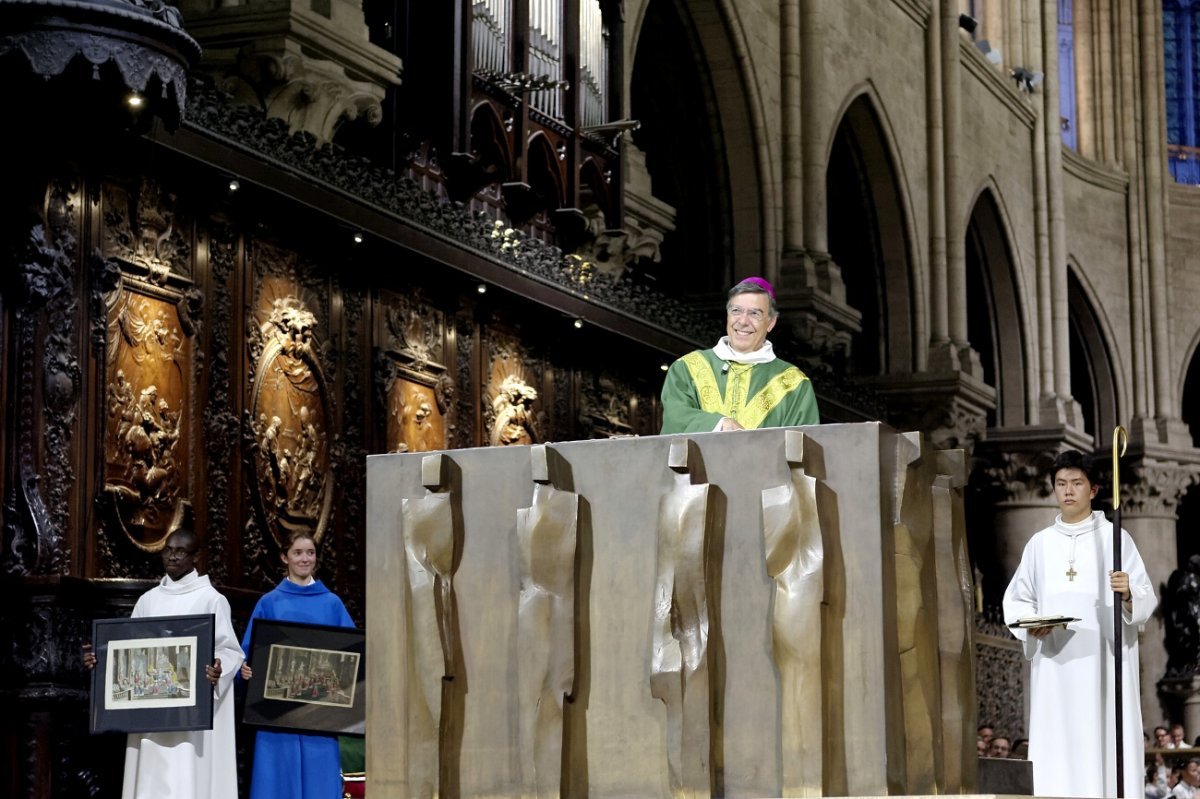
{"points": [[782, 612]]}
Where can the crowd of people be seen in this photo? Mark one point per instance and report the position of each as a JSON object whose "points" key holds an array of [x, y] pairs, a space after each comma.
{"points": [[1172, 773]]}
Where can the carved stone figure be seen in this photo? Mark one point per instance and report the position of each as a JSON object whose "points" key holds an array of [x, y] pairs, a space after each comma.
{"points": [[1181, 605], [679, 674], [433, 633], [546, 535], [795, 560]]}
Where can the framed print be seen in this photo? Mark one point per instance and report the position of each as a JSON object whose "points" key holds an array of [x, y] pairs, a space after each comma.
{"points": [[149, 674], [307, 678]]}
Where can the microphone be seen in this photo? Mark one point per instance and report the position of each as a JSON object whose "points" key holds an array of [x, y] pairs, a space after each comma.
{"points": [[725, 368]]}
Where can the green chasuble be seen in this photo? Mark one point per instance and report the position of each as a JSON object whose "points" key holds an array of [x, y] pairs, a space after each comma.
{"points": [[697, 393]]}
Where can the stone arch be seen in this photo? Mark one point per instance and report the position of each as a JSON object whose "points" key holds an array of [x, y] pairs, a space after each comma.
{"points": [[1000, 335], [716, 174], [1094, 365], [864, 181], [1186, 541]]}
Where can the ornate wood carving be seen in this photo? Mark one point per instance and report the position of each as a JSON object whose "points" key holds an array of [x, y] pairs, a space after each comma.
{"points": [[221, 424], [44, 272], [418, 393], [350, 464], [289, 409], [462, 432], [509, 413], [140, 228], [604, 407], [147, 407], [406, 199], [146, 347]]}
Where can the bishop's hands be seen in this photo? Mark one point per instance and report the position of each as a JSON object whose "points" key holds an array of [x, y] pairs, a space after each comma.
{"points": [[729, 424], [247, 673]]}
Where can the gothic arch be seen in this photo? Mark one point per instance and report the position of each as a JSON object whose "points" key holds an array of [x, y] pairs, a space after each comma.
{"points": [[864, 184], [1094, 364], [1189, 389], [727, 226], [1000, 335], [544, 171]]}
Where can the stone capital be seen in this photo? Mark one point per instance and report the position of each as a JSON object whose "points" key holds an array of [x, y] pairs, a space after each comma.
{"points": [[950, 407], [1155, 487], [812, 298]]}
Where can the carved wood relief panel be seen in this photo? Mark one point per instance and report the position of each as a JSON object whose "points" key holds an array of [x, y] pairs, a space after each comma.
{"points": [[289, 405], [147, 406], [418, 390], [512, 413]]}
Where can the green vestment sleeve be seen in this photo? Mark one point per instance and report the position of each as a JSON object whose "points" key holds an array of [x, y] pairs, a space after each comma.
{"points": [[681, 404]]}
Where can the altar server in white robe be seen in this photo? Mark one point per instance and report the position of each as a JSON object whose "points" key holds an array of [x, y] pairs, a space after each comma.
{"points": [[200, 764], [1066, 569]]}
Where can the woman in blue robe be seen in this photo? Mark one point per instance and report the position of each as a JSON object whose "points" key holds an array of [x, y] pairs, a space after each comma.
{"points": [[291, 765]]}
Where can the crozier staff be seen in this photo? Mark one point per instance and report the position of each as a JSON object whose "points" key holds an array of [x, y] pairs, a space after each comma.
{"points": [[739, 384], [1065, 570]]}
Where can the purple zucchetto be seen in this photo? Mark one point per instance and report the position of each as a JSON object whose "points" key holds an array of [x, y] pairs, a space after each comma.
{"points": [[762, 284]]}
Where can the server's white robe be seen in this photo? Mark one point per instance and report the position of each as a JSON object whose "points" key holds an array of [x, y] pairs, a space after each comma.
{"points": [[1072, 696], [201, 764]]}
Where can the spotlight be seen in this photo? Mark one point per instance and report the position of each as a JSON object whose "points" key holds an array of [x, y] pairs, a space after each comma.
{"points": [[481, 288], [968, 23], [578, 324], [358, 237], [134, 100], [234, 185], [664, 366]]}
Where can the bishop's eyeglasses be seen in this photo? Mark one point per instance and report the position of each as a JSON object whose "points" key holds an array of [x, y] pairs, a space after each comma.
{"points": [[753, 314]]}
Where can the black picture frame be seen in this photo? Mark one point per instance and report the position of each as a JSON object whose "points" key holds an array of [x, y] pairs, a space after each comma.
{"points": [[149, 674], [307, 678]]}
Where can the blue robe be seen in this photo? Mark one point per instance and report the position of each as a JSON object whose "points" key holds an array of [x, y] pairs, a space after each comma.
{"points": [[291, 765]]}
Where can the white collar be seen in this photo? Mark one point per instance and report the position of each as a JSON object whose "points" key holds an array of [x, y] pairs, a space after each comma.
{"points": [[191, 581], [1087, 524], [764, 354]]}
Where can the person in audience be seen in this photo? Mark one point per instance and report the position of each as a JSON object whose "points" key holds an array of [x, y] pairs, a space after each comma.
{"points": [[291, 765], [1189, 781], [1162, 738], [1156, 783], [981, 747], [986, 731], [1020, 749], [1177, 737], [999, 746]]}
